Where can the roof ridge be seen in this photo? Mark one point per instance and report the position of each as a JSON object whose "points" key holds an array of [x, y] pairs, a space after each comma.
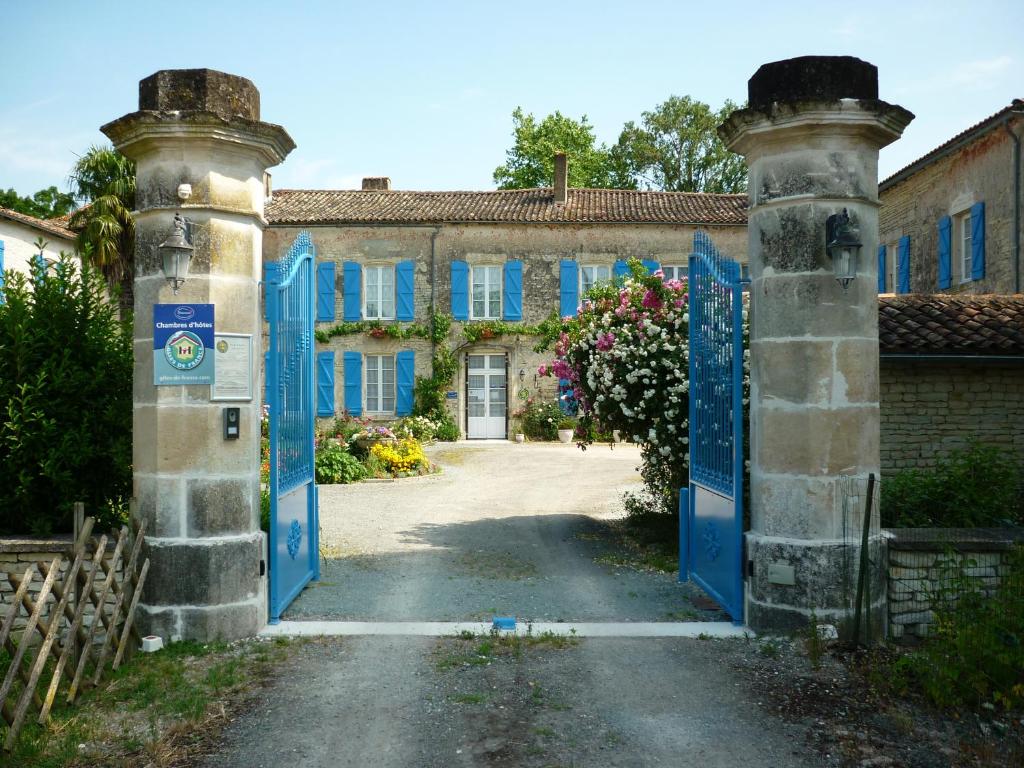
{"points": [[47, 225]]}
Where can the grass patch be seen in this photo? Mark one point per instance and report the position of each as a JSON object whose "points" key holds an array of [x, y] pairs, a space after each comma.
{"points": [[469, 698], [468, 649], [156, 710]]}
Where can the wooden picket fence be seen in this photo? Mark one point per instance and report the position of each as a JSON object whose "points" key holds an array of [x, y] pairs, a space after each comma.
{"points": [[66, 642]]}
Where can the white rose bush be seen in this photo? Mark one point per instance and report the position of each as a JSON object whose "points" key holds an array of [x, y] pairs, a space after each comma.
{"points": [[625, 356]]}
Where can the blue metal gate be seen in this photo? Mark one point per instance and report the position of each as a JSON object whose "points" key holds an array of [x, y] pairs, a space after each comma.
{"points": [[294, 527], [712, 526]]}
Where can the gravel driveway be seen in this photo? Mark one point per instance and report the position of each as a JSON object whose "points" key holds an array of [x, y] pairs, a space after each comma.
{"points": [[505, 529]]}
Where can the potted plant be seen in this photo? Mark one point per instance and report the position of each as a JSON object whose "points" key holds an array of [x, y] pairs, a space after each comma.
{"points": [[566, 427], [368, 437]]}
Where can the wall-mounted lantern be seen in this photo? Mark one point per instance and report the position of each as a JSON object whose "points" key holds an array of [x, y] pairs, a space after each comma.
{"points": [[176, 252], [843, 244]]}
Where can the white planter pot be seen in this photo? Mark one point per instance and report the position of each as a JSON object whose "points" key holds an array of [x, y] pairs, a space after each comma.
{"points": [[520, 437], [565, 435], [616, 436]]}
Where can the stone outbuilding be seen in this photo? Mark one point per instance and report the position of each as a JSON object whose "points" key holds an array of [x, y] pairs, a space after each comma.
{"points": [[950, 222], [502, 261]]}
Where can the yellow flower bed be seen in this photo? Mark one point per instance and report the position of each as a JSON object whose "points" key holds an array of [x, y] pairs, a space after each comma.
{"points": [[403, 456]]}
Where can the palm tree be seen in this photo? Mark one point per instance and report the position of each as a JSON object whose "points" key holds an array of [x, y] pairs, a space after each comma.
{"points": [[103, 180]]}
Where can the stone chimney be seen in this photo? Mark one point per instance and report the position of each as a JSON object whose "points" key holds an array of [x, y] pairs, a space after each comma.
{"points": [[376, 183], [561, 178]]}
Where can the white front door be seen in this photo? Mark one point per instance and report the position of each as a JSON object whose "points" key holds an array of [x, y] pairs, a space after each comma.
{"points": [[485, 397]]}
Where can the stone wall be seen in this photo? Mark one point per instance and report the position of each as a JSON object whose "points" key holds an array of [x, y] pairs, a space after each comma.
{"points": [[980, 171], [18, 555], [932, 408], [539, 246], [924, 565]]}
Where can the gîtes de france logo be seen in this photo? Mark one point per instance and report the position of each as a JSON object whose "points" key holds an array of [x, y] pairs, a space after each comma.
{"points": [[184, 350], [184, 312]]}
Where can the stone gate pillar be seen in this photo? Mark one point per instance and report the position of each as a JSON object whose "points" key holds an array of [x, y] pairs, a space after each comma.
{"points": [[197, 492], [811, 137]]}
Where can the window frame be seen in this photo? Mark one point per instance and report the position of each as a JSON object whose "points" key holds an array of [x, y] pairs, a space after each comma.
{"points": [[486, 269], [594, 282], [892, 266], [962, 222], [379, 269], [377, 407], [675, 267]]}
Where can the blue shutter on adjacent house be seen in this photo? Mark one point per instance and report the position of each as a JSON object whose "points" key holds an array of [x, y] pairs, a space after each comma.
{"points": [[652, 266], [903, 264], [569, 291], [513, 290], [353, 383], [324, 383], [945, 252], [460, 290], [325, 291], [977, 241], [620, 269], [405, 378], [352, 287], [881, 269], [405, 301]]}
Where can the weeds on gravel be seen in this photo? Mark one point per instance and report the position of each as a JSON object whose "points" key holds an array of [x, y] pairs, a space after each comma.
{"points": [[475, 649]]}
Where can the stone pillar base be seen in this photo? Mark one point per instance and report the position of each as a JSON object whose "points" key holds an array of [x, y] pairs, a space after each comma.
{"points": [[825, 582], [203, 623]]}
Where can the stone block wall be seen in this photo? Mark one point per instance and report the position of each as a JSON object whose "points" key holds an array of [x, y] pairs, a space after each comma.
{"points": [[18, 555], [923, 565], [932, 408]]}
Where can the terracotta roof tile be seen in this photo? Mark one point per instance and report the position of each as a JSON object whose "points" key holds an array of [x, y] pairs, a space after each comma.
{"points": [[926, 324], [620, 206], [49, 226]]}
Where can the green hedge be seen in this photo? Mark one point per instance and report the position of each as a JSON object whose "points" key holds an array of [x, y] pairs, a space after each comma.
{"points": [[65, 401]]}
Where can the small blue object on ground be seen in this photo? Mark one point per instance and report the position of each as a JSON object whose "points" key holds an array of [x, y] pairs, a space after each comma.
{"points": [[504, 622]]}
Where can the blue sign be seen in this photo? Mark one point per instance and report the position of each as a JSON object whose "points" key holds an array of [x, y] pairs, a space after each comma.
{"points": [[183, 350], [452, 395]]}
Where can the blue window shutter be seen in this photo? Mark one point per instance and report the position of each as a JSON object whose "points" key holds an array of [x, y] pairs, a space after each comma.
{"points": [[881, 269], [325, 384], [269, 275], [354, 383], [325, 291], [652, 266], [405, 302], [620, 269], [903, 264], [266, 372], [977, 241], [945, 252], [513, 290], [460, 290], [352, 278], [570, 288], [405, 378]]}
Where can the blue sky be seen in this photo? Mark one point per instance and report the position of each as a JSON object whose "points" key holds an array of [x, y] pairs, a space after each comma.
{"points": [[423, 92]]}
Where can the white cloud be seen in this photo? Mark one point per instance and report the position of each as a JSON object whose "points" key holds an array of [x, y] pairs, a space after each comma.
{"points": [[981, 73]]}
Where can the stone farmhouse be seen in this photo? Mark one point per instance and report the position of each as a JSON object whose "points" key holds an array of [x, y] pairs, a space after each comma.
{"points": [[18, 236], [950, 222], [514, 256]]}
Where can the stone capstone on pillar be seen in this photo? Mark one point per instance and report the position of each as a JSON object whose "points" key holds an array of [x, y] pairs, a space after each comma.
{"points": [[197, 492], [810, 137]]}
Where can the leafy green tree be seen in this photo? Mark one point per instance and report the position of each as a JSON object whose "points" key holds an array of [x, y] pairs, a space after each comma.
{"points": [[676, 149], [47, 203], [104, 181], [65, 400], [531, 160]]}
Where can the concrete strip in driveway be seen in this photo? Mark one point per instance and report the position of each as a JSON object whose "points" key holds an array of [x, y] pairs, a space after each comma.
{"points": [[706, 629]]}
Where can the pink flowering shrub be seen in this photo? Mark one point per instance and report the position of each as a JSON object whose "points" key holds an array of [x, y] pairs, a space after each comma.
{"points": [[626, 357]]}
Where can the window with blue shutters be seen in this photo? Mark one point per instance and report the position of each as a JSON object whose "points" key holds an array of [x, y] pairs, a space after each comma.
{"points": [[569, 288], [405, 365], [353, 362], [945, 253], [325, 384], [352, 288], [512, 290], [405, 295], [592, 276], [977, 241], [460, 290], [486, 293], [325, 292], [904, 265]]}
